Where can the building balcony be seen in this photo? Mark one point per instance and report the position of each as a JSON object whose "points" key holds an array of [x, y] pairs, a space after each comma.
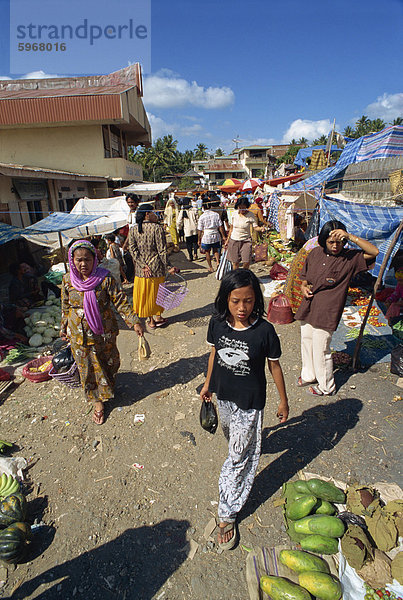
{"points": [[120, 168], [254, 160]]}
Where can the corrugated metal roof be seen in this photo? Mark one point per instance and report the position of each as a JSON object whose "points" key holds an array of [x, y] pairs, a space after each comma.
{"points": [[23, 111]]}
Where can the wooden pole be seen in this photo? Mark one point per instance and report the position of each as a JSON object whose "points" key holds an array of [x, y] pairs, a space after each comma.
{"points": [[328, 156], [371, 300], [62, 250]]}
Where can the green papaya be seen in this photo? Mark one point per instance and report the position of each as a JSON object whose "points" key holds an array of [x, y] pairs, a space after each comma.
{"points": [[321, 544], [323, 507], [279, 588], [322, 524], [321, 585], [300, 561], [301, 486], [301, 507], [326, 491]]}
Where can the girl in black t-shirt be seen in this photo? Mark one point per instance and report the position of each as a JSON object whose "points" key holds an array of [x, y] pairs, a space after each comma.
{"points": [[240, 340]]}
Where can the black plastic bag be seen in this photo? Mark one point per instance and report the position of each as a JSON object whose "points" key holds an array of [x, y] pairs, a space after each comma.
{"points": [[208, 417], [63, 360], [396, 361]]}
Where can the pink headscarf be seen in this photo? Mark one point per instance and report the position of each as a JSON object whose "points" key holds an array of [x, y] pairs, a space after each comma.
{"points": [[91, 308]]}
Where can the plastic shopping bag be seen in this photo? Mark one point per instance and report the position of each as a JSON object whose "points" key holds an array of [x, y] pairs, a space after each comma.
{"points": [[224, 267], [208, 417]]}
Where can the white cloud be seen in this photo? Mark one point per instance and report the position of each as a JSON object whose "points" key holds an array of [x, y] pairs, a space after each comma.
{"points": [[4, 77], [386, 107], [167, 90], [159, 127], [39, 75], [308, 129]]}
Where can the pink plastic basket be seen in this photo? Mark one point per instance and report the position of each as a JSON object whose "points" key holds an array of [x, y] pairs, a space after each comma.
{"points": [[71, 378], [172, 293]]}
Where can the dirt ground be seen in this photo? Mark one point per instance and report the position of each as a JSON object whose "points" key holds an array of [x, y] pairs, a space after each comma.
{"points": [[108, 530]]}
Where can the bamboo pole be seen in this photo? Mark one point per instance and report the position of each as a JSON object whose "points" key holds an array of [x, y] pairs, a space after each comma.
{"points": [[371, 300], [62, 250]]}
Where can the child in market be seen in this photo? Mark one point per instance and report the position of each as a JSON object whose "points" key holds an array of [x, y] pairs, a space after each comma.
{"points": [[240, 341]]}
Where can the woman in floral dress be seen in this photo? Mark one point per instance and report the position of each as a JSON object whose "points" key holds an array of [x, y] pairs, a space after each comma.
{"points": [[88, 321]]}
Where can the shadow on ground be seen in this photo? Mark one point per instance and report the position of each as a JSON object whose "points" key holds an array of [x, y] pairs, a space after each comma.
{"points": [[146, 384], [134, 566], [300, 440], [197, 313]]}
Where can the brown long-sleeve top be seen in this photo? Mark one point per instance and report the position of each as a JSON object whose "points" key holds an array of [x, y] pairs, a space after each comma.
{"points": [[149, 248], [73, 322]]}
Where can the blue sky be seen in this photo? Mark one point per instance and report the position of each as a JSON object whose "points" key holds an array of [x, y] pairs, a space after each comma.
{"points": [[265, 70]]}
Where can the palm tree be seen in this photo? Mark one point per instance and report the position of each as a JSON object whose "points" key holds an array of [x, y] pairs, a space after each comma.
{"points": [[201, 152], [302, 141], [219, 152], [320, 141], [363, 126], [397, 121], [377, 125], [348, 132]]}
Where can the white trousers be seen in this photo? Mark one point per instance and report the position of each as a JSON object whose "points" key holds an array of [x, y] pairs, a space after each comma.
{"points": [[317, 363], [243, 430]]}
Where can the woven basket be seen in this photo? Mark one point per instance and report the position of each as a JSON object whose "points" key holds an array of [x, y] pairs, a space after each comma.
{"points": [[37, 362], [171, 294], [71, 378]]}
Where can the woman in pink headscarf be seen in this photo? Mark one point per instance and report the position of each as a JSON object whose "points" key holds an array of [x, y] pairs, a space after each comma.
{"points": [[88, 321]]}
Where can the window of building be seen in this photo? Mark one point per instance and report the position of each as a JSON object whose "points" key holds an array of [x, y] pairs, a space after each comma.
{"points": [[34, 210], [107, 144], [115, 142]]}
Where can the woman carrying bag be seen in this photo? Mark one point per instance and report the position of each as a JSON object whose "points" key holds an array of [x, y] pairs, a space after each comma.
{"points": [[147, 244]]}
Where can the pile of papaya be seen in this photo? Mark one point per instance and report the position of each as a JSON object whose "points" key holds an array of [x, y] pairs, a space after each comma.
{"points": [[309, 512], [314, 578]]}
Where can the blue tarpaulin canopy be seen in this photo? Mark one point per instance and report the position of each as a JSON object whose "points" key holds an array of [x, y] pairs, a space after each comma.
{"points": [[54, 223], [384, 144], [304, 153], [59, 221], [9, 233], [377, 224]]}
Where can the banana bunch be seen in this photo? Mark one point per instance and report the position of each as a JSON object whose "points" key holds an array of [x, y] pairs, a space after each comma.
{"points": [[5, 445], [8, 485]]}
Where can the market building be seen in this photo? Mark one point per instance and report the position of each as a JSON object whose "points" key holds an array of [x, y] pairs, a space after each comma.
{"points": [[65, 138], [242, 163]]}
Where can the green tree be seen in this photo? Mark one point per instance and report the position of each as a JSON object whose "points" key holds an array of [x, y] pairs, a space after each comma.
{"points": [[200, 152], [362, 126], [397, 121], [320, 141], [349, 132], [377, 125], [303, 141], [219, 152], [289, 156]]}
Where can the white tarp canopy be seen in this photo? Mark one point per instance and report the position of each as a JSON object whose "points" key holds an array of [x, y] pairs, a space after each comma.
{"points": [[144, 189], [113, 214]]}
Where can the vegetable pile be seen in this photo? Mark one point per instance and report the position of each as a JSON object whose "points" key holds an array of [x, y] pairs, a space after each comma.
{"points": [[42, 327], [369, 531], [14, 531]]}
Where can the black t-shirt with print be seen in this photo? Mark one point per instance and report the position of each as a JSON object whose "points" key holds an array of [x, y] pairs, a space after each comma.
{"points": [[239, 364]]}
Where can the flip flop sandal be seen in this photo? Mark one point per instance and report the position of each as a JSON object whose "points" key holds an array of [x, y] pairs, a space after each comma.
{"points": [[99, 414], [232, 542], [315, 391], [161, 323], [302, 383]]}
